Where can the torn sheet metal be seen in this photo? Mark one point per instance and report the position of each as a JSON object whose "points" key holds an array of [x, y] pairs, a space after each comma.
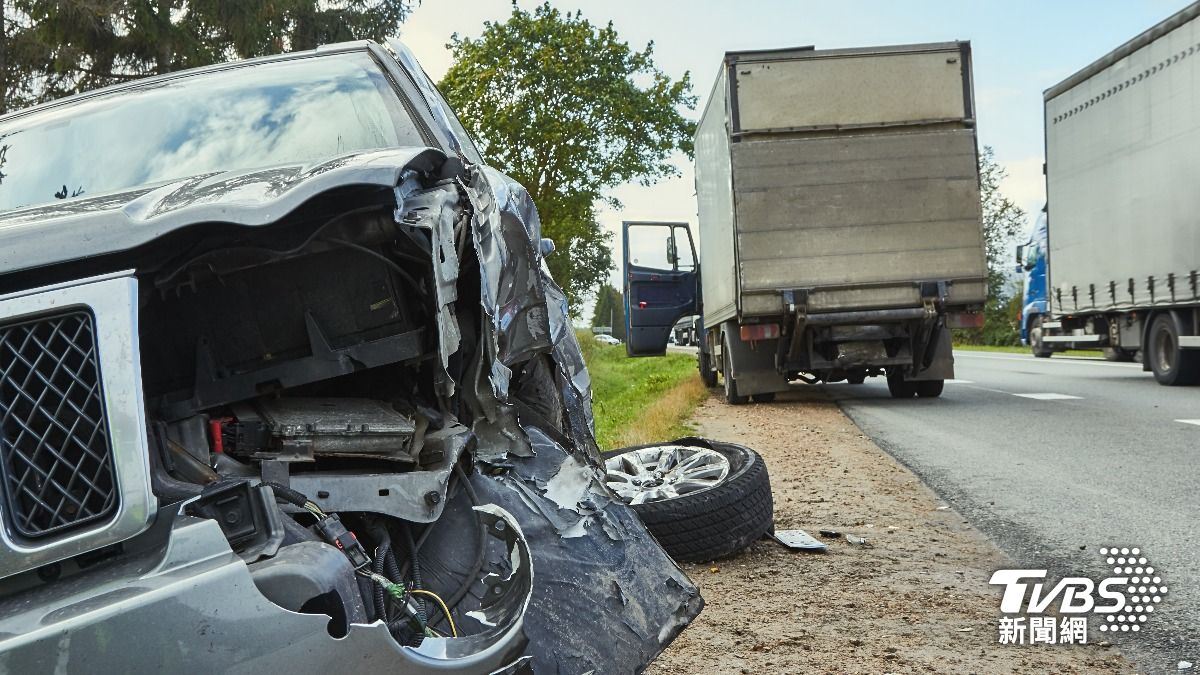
{"points": [[435, 212], [594, 559]]}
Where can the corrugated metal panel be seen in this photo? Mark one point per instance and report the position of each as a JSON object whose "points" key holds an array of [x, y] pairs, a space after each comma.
{"points": [[845, 88], [862, 209], [1123, 154]]}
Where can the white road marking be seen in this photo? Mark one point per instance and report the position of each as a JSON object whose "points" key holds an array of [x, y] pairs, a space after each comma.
{"points": [[960, 382], [1062, 360], [1049, 396], [1196, 422]]}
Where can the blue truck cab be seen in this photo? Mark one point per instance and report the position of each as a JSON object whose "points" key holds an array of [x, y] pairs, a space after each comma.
{"points": [[1031, 260]]}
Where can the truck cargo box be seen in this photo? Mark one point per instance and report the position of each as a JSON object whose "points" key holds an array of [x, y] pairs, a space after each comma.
{"points": [[850, 174], [1122, 158]]}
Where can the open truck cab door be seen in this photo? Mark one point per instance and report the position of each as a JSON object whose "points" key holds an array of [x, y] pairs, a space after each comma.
{"points": [[662, 283]]}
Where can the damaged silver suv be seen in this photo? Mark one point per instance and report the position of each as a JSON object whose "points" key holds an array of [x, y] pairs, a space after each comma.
{"points": [[284, 385]]}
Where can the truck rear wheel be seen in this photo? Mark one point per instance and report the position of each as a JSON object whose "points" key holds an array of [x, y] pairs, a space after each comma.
{"points": [[1036, 345], [731, 395], [929, 388], [1172, 365], [899, 387], [707, 375]]}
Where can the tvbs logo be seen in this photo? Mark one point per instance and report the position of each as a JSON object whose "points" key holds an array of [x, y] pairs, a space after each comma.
{"points": [[1125, 600]]}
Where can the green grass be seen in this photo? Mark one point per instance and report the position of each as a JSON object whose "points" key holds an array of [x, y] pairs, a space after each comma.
{"points": [[640, 400], [1022, 350]]}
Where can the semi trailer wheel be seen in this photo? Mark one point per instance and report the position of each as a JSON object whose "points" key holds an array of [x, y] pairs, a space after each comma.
{"points": [[702, 500], [1119, 355], [1171, 364]]}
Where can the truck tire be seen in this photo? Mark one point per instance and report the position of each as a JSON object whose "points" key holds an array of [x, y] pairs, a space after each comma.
{"points": [[856, 377], [710, 523], [1172, 365], [929, 388], [1036, 345], [707, 375], [899, 387], [1117, 354], [731, 395]]}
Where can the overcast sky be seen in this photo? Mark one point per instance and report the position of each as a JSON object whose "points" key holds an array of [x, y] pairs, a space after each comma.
{"points": [[1021, 47]]}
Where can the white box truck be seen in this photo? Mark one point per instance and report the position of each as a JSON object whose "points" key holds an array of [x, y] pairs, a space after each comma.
{"points": [[839, 223], [1122, 238]]}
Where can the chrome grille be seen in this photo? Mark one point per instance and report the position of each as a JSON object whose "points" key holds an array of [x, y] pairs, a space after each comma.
{"points": [[55, 452]]}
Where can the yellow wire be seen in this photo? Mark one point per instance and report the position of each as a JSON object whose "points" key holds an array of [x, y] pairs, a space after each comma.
{"points": [[418, 591]]}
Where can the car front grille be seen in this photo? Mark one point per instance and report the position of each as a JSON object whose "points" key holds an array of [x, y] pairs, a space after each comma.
{"points": [[55, 451]]}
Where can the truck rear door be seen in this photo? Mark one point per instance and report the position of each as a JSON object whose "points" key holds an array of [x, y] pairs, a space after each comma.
{"points": [[661, 283]]}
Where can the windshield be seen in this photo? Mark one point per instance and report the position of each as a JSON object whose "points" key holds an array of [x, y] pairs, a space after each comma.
{"points": [[285, 112]]}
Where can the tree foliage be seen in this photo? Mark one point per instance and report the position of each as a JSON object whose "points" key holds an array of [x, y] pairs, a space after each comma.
{"points": [[569, 110], [1003, 221], [52, 48], [610, 310]]}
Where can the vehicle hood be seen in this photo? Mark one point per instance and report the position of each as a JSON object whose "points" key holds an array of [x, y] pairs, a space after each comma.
{"points": [[90, 226]]}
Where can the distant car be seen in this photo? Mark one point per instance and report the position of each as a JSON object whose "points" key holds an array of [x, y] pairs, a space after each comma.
{"points": [[607, 339]]}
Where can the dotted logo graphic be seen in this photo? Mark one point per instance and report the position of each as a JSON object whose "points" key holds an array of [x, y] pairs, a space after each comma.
{"points": [[1146, 589]]}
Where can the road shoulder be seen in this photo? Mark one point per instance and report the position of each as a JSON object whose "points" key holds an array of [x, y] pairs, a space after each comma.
{"points": [[915, 598]]}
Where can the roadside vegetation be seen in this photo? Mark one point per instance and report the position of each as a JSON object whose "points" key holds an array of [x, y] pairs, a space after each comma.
{"points": [[639, 401]]}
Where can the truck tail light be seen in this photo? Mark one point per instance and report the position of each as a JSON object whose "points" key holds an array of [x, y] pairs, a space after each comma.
{"points": [[964, 320], [759, 331]]}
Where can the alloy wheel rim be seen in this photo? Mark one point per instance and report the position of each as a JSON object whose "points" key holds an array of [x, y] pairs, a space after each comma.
{"points": [[664, 472]]}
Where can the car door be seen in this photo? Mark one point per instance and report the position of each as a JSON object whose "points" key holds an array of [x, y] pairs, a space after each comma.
{"points": [[661, 283]]}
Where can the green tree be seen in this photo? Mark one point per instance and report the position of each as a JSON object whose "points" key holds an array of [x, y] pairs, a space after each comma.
{"points": [[569, 110], [52, 48], [610, 310], [1003, 220]]}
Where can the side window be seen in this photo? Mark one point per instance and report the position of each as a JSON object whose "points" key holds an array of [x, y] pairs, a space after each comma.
{"points": [[661, 246]]}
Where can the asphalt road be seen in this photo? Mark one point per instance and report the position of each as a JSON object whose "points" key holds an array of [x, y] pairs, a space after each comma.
{"points": [[1056, 458]]}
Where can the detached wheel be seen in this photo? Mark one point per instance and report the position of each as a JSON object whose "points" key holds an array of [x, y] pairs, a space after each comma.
{"points": [[899, 387], [707, 375], [1172, 365], [731, 395], [1036, 344], [701, 502]]}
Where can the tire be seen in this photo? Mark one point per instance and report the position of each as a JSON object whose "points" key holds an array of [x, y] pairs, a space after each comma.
{"points": [[899, 387], [707, 375], [768, 397], [1036, 345], [856, 377], [716, 522], [731, 395], [1118, 355], [929, 388], [1172, 366]]}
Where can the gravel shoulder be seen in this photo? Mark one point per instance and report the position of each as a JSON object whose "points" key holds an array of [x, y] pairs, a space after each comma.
{"points": [[915, 598]]}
